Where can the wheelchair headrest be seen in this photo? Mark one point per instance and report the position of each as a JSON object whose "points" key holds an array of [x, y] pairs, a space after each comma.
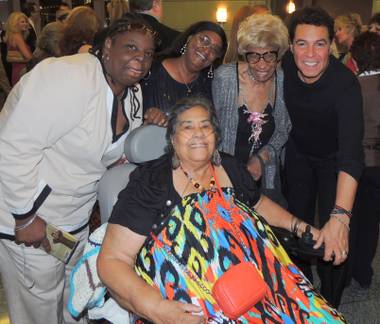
{"points": [[145, 143]]}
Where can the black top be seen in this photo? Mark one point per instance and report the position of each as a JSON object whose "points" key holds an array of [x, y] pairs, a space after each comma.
{"points": [[150, 194], [162, 91], [246, 145], [165, 33], [327, 117]]}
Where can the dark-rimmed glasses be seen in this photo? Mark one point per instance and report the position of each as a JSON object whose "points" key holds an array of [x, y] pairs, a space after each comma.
{"points": [[205, 42], [268, 57]]}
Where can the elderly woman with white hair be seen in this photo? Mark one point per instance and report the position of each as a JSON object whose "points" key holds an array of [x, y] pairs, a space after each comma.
{"points": [[248, 98]]}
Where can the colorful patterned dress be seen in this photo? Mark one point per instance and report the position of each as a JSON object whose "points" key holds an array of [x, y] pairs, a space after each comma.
{"points": [[199, 234]]}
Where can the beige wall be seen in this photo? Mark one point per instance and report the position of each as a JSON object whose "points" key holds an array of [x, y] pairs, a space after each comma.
{"points": [[376, 6], [179, 14]]}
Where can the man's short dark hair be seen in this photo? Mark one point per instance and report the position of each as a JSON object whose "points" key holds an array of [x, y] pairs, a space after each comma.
{"points": [[315, 16], [375, 19], [63, 4], [140, 5], [29, 8]]}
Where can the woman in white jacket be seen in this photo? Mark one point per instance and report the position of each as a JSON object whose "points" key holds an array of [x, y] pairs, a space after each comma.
{"points": [[63, 124]]}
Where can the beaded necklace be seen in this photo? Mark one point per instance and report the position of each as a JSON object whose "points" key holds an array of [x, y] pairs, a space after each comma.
{"points": [[196, 184]]}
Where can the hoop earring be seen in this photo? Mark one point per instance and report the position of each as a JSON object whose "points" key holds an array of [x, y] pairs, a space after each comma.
{"points": [[147, 76], [183, 49], [216, 158], [175, 161], [210, 73]]}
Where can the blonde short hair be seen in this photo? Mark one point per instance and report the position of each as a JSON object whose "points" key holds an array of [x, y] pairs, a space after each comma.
{"points": [[350, 22], [263, 30]]}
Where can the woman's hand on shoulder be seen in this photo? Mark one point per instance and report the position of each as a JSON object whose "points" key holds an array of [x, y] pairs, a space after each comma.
{"points": [[155, 116], [169, 311]]}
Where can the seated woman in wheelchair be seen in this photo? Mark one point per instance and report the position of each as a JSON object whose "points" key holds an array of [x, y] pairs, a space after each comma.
{"points": [[189, 219]]}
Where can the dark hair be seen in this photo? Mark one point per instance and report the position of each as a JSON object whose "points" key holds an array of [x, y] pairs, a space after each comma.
{"points": [[29, 8], [140, 5], [128, 22], [315, 16], [182, 39], [180, 107], [365, 51], [63, 4], [375, 19]]}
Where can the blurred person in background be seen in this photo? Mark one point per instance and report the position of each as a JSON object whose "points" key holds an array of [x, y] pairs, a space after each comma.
{"points": [[32, 11], [232, 54], [152, 12], [5, 87], [116, 9], [18, 51], [62, 12], [48, 43], [365, 51], [80, 28], [374, 23], [347, 27]]}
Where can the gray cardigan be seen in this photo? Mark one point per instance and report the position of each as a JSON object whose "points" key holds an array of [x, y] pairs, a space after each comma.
{"points": [[225, 98]]}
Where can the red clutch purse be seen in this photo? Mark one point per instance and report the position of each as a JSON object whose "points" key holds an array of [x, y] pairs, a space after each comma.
{"points": [[239, 289]]}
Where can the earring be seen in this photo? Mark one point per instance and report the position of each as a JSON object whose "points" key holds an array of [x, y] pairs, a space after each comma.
{"points": [[216, 158], [183, 49], [147, 76], [175, 161], [105, 57], [210, 73]]}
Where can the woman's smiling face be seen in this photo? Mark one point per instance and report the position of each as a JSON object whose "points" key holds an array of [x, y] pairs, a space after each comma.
{"points": [[129, 56], [194, 137], [203, 49]]}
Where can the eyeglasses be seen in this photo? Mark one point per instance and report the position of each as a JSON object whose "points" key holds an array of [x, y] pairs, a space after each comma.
{"points": [[205, 42], [254, 57]]}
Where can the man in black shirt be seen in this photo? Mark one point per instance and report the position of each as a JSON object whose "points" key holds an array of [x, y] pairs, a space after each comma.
{"points": [[151, 11], [324, 155]]}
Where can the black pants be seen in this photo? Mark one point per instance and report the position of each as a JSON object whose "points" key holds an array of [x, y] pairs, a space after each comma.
{"points": [[310, 181], [365, 233]]}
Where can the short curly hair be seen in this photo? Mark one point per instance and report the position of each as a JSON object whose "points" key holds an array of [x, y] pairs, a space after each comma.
{"points": [[365, 51], [263, 30]]}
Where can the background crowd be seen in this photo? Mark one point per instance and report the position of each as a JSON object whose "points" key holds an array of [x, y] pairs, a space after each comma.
{"points": [[293, 107]]}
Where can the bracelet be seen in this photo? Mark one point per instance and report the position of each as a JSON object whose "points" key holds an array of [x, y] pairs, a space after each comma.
{"points": [[341, 221], [25, 225], [294, 219], [295, 225], [337, 210]]}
